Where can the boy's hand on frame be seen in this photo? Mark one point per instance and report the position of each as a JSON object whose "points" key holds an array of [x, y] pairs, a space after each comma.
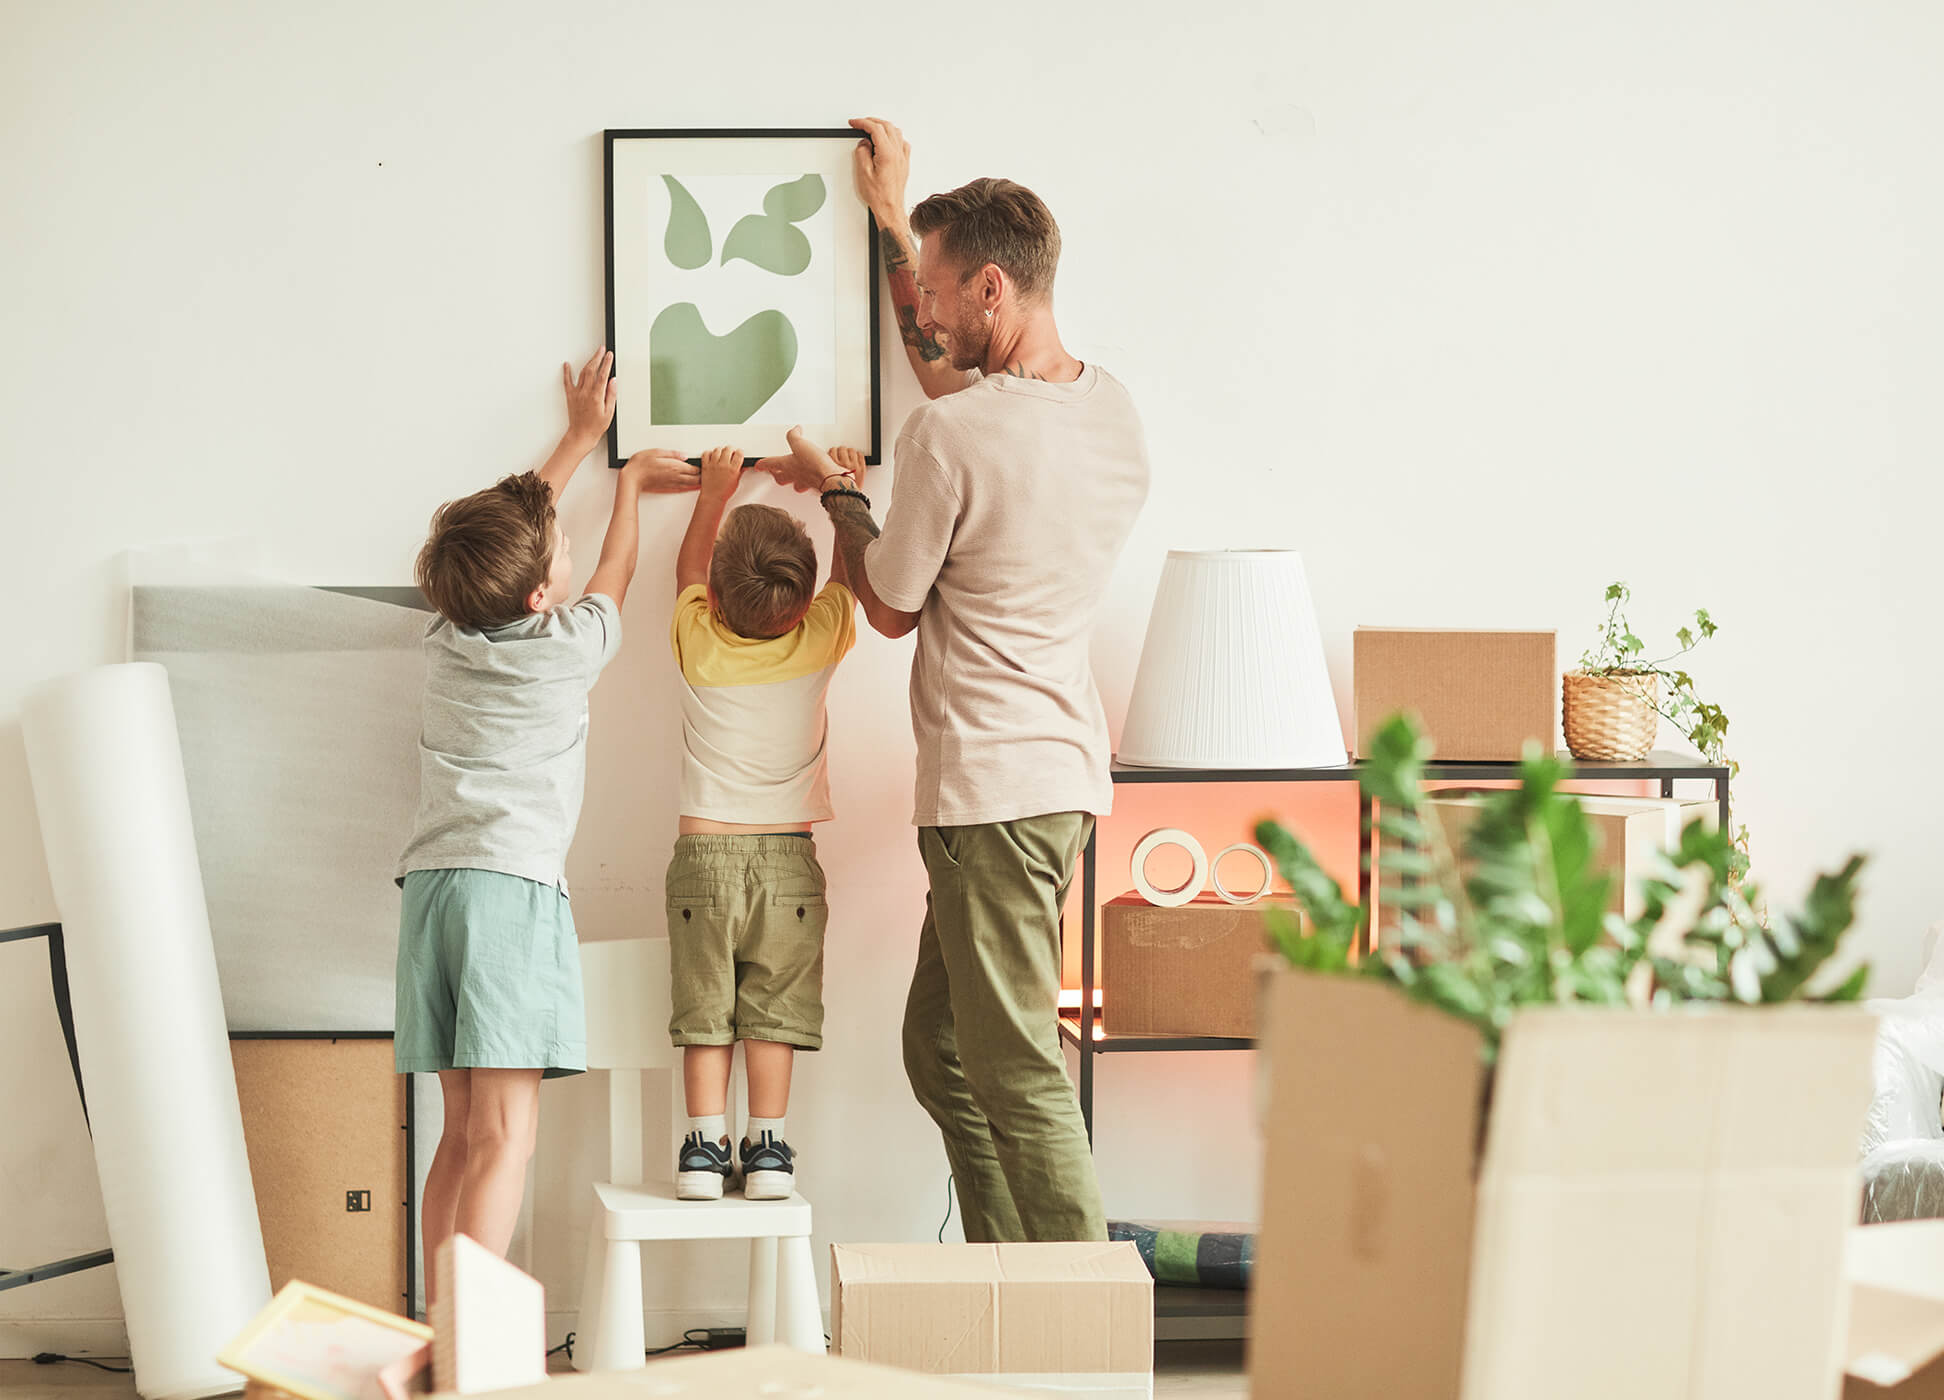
{"points": [[590, 397], [721, 471], [661, 469], [848, 459]]}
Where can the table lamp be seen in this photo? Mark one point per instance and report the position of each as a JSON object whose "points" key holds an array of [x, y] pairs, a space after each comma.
{"points": [[1232, 672]]}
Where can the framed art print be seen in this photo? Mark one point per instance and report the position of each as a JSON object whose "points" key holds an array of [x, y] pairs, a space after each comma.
{"points": [[319, 1345], [741, 291]]}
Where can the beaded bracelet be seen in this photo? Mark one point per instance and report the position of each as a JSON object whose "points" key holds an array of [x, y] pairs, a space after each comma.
{"points": [[845, 491]]}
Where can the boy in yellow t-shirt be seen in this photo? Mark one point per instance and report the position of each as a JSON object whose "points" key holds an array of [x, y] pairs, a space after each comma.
{"points": [[757, 645]]}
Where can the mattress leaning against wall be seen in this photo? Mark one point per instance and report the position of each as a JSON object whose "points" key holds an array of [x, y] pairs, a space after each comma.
{"points": [[298, 710]]}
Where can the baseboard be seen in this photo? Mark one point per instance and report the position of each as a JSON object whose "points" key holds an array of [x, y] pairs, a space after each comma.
{"points": [[71, 1336], [663, 1328]]}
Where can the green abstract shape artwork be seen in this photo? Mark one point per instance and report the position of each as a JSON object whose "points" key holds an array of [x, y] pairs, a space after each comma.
{"points": [[770, 239], [697, 377], [687, 240]]}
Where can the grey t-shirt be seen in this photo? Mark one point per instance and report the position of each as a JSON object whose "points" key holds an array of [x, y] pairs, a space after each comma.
{"points": [[503, 740], [1012, 500]]}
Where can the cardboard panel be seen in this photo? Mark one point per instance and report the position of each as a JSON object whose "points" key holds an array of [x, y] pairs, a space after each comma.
{"points": [[324, 1119], [1363, 1262], [1482, 696], [1183, 971]]}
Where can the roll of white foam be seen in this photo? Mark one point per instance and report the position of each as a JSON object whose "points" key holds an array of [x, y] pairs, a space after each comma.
{"points": [[1152, 842], [1215, 873], [148, 1021]]}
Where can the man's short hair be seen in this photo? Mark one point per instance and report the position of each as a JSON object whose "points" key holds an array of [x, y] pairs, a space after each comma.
{"points": [[487, 552], [764, 572], [997, 222]]}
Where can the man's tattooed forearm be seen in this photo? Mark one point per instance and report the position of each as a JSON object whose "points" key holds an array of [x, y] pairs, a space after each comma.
{"points": [[896, 259], [904, 296], [854, 530]]}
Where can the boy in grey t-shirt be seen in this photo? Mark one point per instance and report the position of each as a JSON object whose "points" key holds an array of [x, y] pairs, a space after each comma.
{"points": [[489, 992]]}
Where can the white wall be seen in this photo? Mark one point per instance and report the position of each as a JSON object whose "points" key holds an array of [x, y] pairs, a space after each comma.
{"points": [[1480, 306]]}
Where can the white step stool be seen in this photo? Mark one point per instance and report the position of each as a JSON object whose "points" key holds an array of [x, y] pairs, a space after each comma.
{"points": [[626, 984]]}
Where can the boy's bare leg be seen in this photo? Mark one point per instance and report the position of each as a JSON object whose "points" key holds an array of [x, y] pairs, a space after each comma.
{"points": [[440, 1204], [769, 1064], [500, 1132], [705, 1078]]}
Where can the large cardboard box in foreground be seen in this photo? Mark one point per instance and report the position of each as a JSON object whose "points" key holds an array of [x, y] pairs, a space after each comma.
{"points": [[1660, 1209], [1077, 1318], [1189, 970], [1481, 696], [1630, 832]]}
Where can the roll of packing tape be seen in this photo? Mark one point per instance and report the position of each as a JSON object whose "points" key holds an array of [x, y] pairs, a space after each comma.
{"points": [[1153, 841], [1215, 873]]}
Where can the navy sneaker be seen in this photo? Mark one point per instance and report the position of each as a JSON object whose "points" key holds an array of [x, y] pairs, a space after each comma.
{"points": [[769, 1169], [703, 1169]]}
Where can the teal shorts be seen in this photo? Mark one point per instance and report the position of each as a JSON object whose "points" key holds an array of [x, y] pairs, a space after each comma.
{"points": [[489, 976]]}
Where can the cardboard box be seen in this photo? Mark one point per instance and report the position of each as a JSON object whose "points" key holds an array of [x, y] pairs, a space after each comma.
{"points": [[1077, 1318], [1629, 832], [324, 1124], [1660, 1209], [1481, 696], [750, 1373], [1189, 970], [1896, 1328]]}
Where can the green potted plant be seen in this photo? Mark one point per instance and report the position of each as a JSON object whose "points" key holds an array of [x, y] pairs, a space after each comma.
{"points": [[1528, 922], [1612, 704]]}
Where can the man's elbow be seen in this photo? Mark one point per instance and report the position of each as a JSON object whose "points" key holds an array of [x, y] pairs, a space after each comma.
{"points": [[889, 622]]}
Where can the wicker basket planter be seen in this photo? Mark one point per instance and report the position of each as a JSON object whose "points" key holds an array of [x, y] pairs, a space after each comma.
{"points": [[1610, 718]]}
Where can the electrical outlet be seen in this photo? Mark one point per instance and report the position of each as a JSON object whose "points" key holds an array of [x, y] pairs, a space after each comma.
{"points": [[357, 1200]]}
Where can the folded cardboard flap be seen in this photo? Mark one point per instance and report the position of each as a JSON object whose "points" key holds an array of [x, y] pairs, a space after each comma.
{"points": [[1896, 1332], [1045, 1309], [1693, 1171], [1363, 1260]]}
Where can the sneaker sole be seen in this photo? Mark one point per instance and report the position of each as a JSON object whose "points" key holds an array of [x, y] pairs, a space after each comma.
{"points": [[698, 1186], [769, 1186]]}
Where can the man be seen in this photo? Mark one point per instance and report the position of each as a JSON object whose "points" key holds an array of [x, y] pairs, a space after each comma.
{"points": [[1016, 489]]}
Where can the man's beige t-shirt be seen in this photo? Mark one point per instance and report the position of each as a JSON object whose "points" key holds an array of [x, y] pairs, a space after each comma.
{"points": [[1012, 500]]}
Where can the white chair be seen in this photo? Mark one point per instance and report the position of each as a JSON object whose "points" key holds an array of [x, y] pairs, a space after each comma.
{"points": [[627, 991]]}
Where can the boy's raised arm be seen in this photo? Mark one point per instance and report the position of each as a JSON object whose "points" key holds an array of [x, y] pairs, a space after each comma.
{"points": [[590, 408], [656, 469], [721, 472]]}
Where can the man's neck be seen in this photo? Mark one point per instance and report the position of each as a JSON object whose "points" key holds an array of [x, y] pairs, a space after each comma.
{"points": [[1032, 350]]}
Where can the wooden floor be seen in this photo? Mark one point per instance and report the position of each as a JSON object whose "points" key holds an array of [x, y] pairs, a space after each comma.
{"points": [[1204, 1370]]}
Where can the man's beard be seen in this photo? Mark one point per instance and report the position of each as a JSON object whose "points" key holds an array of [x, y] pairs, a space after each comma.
{"points": [[967, 347]]}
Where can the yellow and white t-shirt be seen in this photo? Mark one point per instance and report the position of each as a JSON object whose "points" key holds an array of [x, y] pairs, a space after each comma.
{"points": [[753, 718]]}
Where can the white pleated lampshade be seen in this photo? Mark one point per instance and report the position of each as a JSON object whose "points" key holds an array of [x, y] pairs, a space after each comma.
{"points": [[1232, 673]]}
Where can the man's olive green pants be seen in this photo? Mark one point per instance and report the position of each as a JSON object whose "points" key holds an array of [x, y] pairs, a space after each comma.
{"points": [[982, 1033]]}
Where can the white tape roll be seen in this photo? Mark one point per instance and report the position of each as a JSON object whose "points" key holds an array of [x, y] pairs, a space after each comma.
{"points": [[1215, 873], [1153, 841]]}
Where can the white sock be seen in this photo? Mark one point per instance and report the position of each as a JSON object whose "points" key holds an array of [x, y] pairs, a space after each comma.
{"points": [[714, 1127], [759, 1126]]}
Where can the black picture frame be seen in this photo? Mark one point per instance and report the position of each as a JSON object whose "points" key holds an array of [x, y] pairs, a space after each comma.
{"points": [[612, 135]]}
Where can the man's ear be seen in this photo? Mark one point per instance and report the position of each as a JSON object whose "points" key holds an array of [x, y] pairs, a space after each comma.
{"points": [[993, 289]]}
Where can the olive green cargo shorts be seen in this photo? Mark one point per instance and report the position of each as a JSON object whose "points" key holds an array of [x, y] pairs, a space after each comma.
{"points": [[746, 917]]}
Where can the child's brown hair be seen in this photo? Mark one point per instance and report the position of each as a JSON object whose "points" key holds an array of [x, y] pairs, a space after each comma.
{"points": [[487, 552], [764, 572]]}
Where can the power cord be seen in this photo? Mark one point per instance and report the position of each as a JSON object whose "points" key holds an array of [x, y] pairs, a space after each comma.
{"points": [[691, 1341], [49, 1358], [948, 1209], [566, 1346]]}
